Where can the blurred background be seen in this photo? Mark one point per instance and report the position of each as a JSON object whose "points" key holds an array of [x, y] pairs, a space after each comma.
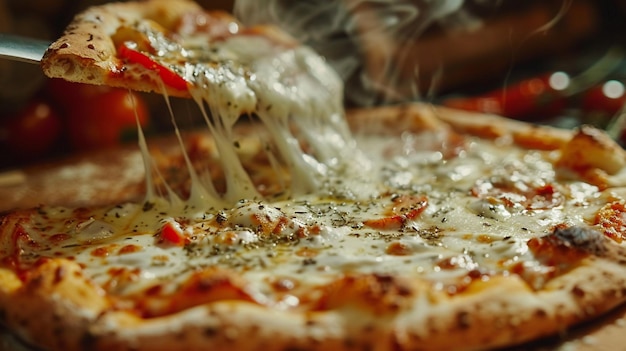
{"points": [[548, 61]]}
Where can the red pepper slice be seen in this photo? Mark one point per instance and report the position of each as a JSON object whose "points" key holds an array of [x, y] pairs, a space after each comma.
{"points": [[168, 76], [172, 233]]}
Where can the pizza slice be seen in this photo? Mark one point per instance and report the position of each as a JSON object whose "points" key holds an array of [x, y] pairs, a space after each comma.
{"points": [[121, 45], [157, 46]]}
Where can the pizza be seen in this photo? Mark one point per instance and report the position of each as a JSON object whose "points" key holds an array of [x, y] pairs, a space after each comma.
{"points": [[303, 227]]}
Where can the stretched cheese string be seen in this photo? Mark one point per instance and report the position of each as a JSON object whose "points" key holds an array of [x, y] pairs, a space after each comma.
{"points": [[226, 95], [201, 191], [152, 191], [293, 85], [295, 94]]}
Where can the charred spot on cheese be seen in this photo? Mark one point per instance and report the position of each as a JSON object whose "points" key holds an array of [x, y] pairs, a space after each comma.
{"points": [[566, 245], [562, 250], [582, 238]]}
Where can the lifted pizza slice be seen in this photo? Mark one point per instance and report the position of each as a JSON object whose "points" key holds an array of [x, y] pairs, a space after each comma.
{"points": [[177, 48]]}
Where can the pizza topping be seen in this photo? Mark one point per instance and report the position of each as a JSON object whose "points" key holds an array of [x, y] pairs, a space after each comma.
{"points": [[612, 220], [559, 252], [512, 192], [421, 229], [403, 209], [567, 245], [172, 233], [142, 44], [398, 248], [128, 50]]}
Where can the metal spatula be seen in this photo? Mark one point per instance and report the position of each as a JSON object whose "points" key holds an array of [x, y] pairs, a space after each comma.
{"points": [[22, 49]]}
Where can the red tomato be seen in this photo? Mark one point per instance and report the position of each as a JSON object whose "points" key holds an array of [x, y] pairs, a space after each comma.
{"points": [[66, 94], [531, 98], [172, 233], [105, 119], [602, 102], [169, 77], [33, 132]]}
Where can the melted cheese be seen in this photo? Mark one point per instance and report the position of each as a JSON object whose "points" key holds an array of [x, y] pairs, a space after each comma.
{"points": [[312, 239], [409, 209], [287, 87]]}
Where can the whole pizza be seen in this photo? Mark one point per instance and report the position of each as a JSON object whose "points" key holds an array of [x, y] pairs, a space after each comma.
{"points": [[290, 224]]}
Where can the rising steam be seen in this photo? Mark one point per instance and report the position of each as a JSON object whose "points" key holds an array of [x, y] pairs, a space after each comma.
{"points": [[372, 43], [364, 40]]}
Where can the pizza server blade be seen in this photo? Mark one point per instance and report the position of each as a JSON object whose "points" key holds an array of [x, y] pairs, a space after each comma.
{"points": [[18, 48]]}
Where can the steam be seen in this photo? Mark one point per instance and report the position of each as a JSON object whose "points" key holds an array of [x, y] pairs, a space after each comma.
{"points": [[366, 41]]}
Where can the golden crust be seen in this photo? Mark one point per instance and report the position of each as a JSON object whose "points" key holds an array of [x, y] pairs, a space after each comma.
{"points": [[586, 152], [591, 148], [391, 119], [491, 126], [501, 311], [55, 294]]}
